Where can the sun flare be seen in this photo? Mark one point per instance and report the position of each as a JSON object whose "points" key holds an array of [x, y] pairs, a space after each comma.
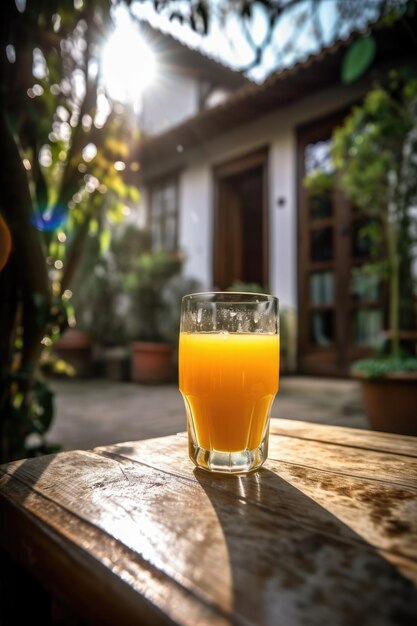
{"points": [[128, 64]]}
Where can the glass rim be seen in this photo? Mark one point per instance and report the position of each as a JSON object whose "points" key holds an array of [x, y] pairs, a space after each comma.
{"points": [[265, 296]]}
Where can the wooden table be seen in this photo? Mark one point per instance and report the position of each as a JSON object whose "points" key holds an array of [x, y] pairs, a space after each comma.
{"points": [[325, 534]]}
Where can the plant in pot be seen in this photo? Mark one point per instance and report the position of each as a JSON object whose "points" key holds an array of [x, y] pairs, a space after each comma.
{"points": [[152, 348], [100, 300], [73, 353], [375, 158], [172, 294], [99, 308]]}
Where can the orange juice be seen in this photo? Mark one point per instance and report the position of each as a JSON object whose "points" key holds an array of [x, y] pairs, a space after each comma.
{"points": [[228, 381]]}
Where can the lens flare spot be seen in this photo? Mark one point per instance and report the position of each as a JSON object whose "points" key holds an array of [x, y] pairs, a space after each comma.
{"points": [[50, 219], [5, 243]]}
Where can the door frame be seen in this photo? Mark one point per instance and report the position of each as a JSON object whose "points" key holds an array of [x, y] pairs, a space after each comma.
{"points": [[234, 167]]}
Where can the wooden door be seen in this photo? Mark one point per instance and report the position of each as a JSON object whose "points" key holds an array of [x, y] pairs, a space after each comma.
{"points": [[240, 245], [228, 236], [340, 301]]}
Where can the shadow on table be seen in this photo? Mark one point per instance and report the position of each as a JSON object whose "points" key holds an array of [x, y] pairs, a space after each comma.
{"points": [[294, 562], [21, 595], [27, 473]]}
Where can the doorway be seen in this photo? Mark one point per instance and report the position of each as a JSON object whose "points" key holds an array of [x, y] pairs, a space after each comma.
{"points": [[240, 248]]}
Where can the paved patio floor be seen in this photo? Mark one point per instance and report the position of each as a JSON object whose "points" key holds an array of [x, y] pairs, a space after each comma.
{"points": [[98, 412]]}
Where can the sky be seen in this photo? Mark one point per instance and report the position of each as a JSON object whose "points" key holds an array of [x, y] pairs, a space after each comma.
{"points": [[226, 40], [293, 39]]}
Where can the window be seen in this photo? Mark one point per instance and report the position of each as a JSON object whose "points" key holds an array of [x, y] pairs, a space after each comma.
{"points": [[164, 214]]}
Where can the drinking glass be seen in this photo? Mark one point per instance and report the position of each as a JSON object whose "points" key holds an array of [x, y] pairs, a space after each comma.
{"points": [[228, 376]]}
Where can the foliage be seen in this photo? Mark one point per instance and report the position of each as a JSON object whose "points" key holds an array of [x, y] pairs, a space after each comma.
{"points": [[176, 288], [375, 368], [243, 287], [309, 24], [319, 181], [375, 154], [374, 161], [60, 138], [129, 290], [100, 297], [34, 418], [288, 339], [358, 58], [149, 275]]}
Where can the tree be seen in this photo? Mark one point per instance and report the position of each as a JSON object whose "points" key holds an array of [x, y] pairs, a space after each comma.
{"points": [[64, 146], [62, 142], [375, 153], [373, 160]]}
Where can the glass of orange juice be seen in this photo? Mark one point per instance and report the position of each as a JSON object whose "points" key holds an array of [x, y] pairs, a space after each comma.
{"points": [[229, 376]]}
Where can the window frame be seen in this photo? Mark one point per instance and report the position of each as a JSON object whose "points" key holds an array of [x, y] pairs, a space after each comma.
{"points": [[160, 185]]}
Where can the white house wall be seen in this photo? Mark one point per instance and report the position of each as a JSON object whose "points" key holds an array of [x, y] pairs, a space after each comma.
{"points": [[196, 210], [282, 219], [168, 103], [195, 223], [278, 132]]}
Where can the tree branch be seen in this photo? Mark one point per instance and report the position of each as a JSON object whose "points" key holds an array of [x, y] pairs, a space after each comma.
{"points": [[29, 257], [74, 254]]}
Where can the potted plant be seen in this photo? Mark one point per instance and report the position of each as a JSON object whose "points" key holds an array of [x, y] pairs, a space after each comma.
{"points": [[99, 305], [101, 301], [375, 157], [74, 349], [152, 348]]}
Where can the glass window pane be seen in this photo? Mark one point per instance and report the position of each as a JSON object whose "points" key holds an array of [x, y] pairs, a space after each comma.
{"points": [[365, 285], [321, 205], [321, 244], [170, 198], [169, 235], [364, 237], [164, 215], [322, 288], [157, 201], [156, 236], [317, 157], [322, 328], [367, 326]]}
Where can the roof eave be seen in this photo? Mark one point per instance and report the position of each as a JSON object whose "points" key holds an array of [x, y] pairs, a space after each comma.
{"points": [[280, 89]]}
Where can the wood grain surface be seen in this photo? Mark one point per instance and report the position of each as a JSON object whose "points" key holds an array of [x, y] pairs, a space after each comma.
{"points": [[325, 533]]}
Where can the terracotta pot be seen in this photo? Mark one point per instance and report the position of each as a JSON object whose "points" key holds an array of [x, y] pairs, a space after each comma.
{"points": [[74, 347], [390, 403], [151, 362]]}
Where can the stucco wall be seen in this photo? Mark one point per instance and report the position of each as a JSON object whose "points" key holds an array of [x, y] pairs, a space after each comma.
{"points": [[278, 133], [195, 223], [167, 103], [196, 210]]}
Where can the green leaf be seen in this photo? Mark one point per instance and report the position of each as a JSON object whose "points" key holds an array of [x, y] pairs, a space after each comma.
{"points": [[133, 193], [358, 59], [41, 307], [375, 368], [44, 408], [411, 9], [202, 11], [176, 15], [93, 227], [105, 239]]}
